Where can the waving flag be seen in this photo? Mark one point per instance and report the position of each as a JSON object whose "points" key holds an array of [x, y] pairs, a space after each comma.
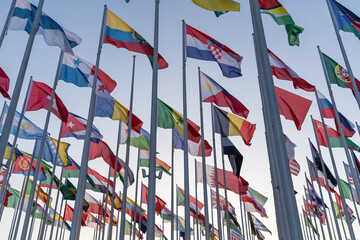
{"points": [[195, 149], [222, 202], [69, 212], [139, 140], [50, 151], [211, 91], [100, 182], [73, 171], [40, 99], [121, 35], [103, 150], [54, 34], [235, 157], [76, 127], [4, 84], [346, 19], [283, 72], [290, 149], [28, 130], [80, 72], [159, 204], [22, 166], [218, 5], [201, 46], [160, 165], [258, 225], [181, 201], [94, 205]]}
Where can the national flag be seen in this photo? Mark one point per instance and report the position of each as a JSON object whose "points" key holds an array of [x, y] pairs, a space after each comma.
{"points": [[76, 127], [121, 174], [23, 17], [254, 202], [308, 222], [92, 222], [283, 72], [290, 150], [160, 165], [203, 47], [166, 214], [338, 74], [218, 5], [292, 106], [235, 234], [235, 157], [121, 35], [254, 231], [348, 187], [59, 221], [357, 162], [334, 137], [73, 171], [28, 130], [49, 152], [42, 195], [94, 205], [181, 201], [222, 202], [339, 209], [68, 190], [39, 98], [169, 118], [69, 212], [4, 84], [100, 182], [12, 197], [346, 20], [159, 203], [47, 182], [103, 150], [211, 91], [139, 140], [195, 149], [314, 197], [258, 225], [228, 124], [17, 153], [80, 72], [22, 166], [282, 17], [327, 110], [107, 106]]}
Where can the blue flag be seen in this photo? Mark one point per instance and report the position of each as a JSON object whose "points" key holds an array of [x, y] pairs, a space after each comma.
{"points": [[49, 152]]}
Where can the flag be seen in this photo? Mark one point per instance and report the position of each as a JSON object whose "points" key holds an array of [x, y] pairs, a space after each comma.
{"points": [[121, 35], [337, 74], [308, 222], [4, 84], [181, 201], [166, 214], [228, 124], [290, 150], [69, 212], [7, 153], [42, 195], [258, 225], [121, 174], [283, 72], [103, 150], [28, 130], [334, 137], [254, 202], [160, 165], [68, 190], [100, 182], [73, 171], [348, 187], [195, 149], [12, 198], [235, 157], [2, 174], [49, 152], [313, 196], [159, 203], [139, 140], [47, 182], [218, 5], [282, 17], [222, 202], [80, 72], [211, 91], [76, 127], [346, 20], [39, 98], [59, 221], [292, 106], [203, 47], [327, 110], [22, 166], [339, 209], [169, 118], [94, 205]]}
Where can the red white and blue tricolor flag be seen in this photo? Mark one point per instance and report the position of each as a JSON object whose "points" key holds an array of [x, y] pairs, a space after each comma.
{"points": [[201, 46]]}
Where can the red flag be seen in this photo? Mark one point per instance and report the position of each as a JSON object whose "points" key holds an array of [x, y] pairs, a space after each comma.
{"points": [[193, 201], [22, 165], [40, 99], [101, 149], [159, 205], [4, 84], [281, 71], [69, 212], [2, 174], [292, 106], [234, 184]]}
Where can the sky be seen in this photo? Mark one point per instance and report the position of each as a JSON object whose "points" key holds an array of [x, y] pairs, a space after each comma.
{"points": [[233, 30]]}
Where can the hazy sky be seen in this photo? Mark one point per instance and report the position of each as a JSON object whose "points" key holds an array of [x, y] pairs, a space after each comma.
{"points": [[232, 29]]}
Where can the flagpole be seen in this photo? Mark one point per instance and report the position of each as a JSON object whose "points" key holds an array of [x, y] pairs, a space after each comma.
{"points": [[322, 197], [34, 208], [75, 227], [242, 219], [172, 185], [56, 203], [136, 191], [197, 218], [141, 196], [347, 63], [311, 216], [103, 213], [177, 214], [212, 216], [57, 230], [19, 82], [4, 31], [307, 230], [117, 225], [106, 201], [206, 205], [216, 173], [246, 224], [338, 123], [352, 195], [303, 228], [57, 226]]}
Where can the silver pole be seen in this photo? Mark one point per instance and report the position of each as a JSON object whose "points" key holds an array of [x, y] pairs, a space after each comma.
{"points": [[4, 31], [33, 209], [57, 226], [57, 229], [212, 218], [197, 218], [242, 219], [312, 216], [172, 185], [206, 205], [141, 195], [136, 192], [226, 196], [307, 230], [122, 224], [75, 227], [303, 227], [352, 195], [102, 232], [153, 132], [177, 214], [56, 204]]}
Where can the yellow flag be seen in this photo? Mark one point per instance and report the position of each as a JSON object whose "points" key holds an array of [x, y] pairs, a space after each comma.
{"points": [[62, 151], [218, 5]]}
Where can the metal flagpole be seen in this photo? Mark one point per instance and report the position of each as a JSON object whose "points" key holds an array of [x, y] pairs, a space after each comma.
{"points": [[4, 31], [312, 217], [56, 204], [102, 215], [351, 193], [141, 195], [284, 170], [332, 223], [216, 173], [57, 228], [76, 224], [106, 201], [322, 198], [248, 233], [153, 132], [303, 228], [212, 216], [34, 208], [338, 123], [242, 219], [172, 185], [127, 157], [117, 225], [206, 205], [186, 153], [58, 223], [307, 230], [19, 82], [136, 192], [197, 217], [36, 174], [177, 214]]}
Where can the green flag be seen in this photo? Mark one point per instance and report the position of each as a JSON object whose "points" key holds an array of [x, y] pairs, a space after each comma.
{"points": [[336, 142], [166, 214], [261, 198], [309, 224], [139, 140], [180, 197], [346, 189], [68, 190], [14, 198]]}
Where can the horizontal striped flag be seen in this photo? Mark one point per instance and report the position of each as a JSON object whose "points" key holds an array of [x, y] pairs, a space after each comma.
{"points": [[160, 165], [195, 149]]}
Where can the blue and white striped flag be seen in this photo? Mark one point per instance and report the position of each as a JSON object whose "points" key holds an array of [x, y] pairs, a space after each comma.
{"points": [[259, 225]]}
